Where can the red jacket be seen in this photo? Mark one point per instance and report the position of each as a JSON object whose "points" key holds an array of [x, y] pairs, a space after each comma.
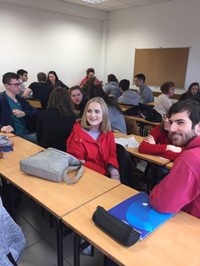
{"points": [[161, 138], [96, 154]]}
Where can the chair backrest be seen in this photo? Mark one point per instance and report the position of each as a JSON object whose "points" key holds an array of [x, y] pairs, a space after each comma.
{"points": [[35, 103]]}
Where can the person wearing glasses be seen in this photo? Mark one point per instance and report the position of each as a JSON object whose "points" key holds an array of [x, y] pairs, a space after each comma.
{"points": [[16, 114]]}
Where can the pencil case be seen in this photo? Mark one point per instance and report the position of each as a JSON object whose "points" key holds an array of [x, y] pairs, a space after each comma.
{"points": [[114, 227]]}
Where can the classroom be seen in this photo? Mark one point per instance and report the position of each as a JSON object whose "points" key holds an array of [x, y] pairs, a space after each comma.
{"points": [[67, 37]]}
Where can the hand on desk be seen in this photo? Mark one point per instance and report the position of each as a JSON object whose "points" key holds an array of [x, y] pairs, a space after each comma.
{"points": [[150, 139], [7, 129]]}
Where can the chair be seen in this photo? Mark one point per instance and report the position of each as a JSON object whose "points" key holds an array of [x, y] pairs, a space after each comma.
{"points": [[131, 126], [35, 103]]}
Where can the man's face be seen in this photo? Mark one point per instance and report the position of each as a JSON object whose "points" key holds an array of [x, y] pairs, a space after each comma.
{"points": [[90, 74], [24, 77], [180, 129], [138, 82], [13, 86]]}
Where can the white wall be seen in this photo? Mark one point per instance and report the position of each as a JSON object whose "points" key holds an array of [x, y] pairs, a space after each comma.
{"points": [[39, 40], [170, 24]]}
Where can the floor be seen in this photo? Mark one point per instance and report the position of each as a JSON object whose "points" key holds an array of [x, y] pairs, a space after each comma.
{"points": [[41, 238]]}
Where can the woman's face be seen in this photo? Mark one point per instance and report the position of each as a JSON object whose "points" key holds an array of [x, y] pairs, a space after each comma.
{"points": [[76, 96], [166, 122], [52, 78], [94, 115], [194, 89]]}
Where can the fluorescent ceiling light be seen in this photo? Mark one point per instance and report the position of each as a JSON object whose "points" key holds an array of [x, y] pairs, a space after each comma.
{"points": [[94, 1]]}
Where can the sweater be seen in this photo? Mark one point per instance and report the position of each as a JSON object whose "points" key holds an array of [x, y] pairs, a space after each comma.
{"points": [[161, 138], [180, 189]]}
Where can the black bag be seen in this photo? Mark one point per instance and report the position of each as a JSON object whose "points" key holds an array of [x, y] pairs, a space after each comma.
{"points": [[145, 111], [116, 228]]}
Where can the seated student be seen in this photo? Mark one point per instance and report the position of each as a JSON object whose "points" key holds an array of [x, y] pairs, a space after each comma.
{"points": [[90, 73], [16, 114], [79, 100], [112, 87], [158, 142], [128, 96], [90, 139], [180, 189], [163, 102], [55, 124], [192, 90], [145, 93], [23, 77], [12, 241], [115, 115], [54, 82], [39, 90]]}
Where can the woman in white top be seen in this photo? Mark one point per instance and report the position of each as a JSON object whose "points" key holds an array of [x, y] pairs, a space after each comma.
{"points": [[163, 102]]}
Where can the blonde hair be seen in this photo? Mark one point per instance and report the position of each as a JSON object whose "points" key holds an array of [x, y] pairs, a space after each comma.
{"points": [[105, 124]]}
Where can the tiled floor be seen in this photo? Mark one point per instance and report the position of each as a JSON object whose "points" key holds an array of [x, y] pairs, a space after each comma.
{"points": [[41, 239]]}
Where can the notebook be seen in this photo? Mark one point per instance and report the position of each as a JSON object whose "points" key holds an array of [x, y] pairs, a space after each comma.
{"points": [[127, 142], [138, 213]]}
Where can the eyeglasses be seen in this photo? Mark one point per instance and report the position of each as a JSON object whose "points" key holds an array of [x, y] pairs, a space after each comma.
{"points": [[15, 84]]}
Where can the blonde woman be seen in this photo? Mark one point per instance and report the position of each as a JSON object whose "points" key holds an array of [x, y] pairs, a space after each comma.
{"points": [[92, 140]]}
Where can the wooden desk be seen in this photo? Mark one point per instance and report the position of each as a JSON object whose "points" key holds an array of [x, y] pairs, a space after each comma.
{"points": [[169, 165], [142, 120], [59, 198], [9, 135], [146, 157], [174, 243], [124, 107], [151, 104], [21, 149]]}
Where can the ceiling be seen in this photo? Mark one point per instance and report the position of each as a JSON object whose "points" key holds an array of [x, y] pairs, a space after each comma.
{"points": [[111, 5]]}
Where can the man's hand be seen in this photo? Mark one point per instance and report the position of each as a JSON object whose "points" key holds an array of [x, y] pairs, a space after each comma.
{"points": [[174, 148], [18, 113], [7, 129]]}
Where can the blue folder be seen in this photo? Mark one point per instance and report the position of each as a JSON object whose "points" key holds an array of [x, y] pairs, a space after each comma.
{"points": [[138, 213]]}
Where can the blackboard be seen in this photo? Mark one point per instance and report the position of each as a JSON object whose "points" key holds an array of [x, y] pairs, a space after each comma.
{"points": [[162, 64]]}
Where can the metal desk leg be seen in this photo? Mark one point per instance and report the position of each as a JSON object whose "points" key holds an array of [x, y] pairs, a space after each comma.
{"points": [[59, 242], [77, 242]]}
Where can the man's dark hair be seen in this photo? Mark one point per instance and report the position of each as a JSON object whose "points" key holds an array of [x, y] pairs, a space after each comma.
{"points": [[21, 72], [8, 76], [90, 69], [42, 77], [124, 84], [192, 107], [141, 77]]}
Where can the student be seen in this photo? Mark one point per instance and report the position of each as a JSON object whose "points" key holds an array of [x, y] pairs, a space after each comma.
{"points": [[115, 115], [54, 82], [90, 139], [79, 100], [90, 73], [23, 77], [163, 102], [128, 96], [16, 114], [180, 189], [12, 241], [55, 124], [112, 87], [192, 90], [145, 93], [158, 142], [39, 90]]}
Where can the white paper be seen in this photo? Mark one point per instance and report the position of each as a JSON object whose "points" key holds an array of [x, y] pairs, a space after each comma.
{"points": [[127, 142]]}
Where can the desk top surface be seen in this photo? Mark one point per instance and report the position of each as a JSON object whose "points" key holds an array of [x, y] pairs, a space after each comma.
{"points": [[21, 149], [146, 157], [60, 198], [174, 243]]}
